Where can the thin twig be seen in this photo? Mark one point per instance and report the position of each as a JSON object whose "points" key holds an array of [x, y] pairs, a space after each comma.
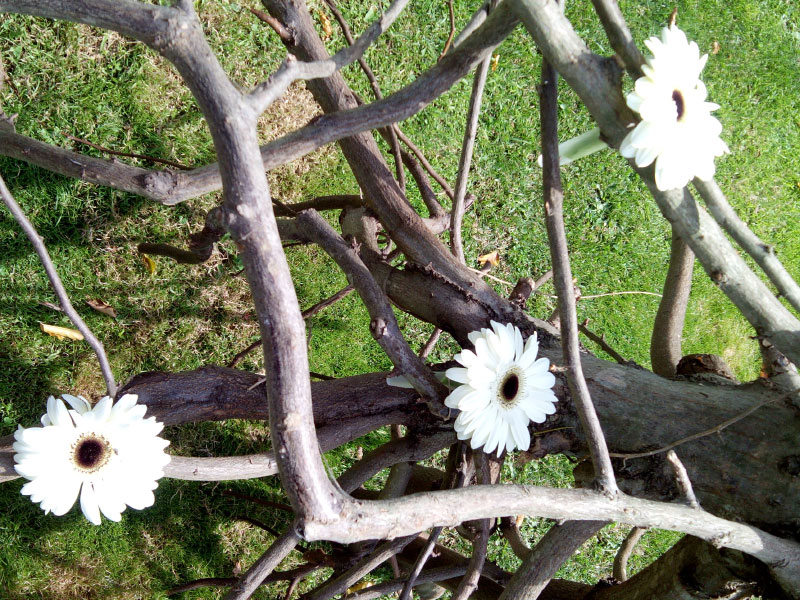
{"points": [[58, 287], [260, 501], [383, 325], [428, 347], [452, 34], [682, 479], [201, 583], [257, 523], [706, 432], [373, 82], [465, 160], [292, 70], [277, 26], [562, 278], [152, 159], [390, 587], [424, 162], [307, 314], [625, 551], [601, 341]]}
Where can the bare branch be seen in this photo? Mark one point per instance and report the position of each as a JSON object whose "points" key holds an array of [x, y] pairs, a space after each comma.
{"points": [[553, 550], [682, 479], [762, 253], [625, 551], [600, 341], [562, 278], [58, 287], [464, 162], [383, 326], [340, 584], [291, 70], [127, 154], [619, 35], [665, 343], [395, 585], [256, 574]]}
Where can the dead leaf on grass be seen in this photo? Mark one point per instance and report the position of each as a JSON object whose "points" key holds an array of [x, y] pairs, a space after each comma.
{"points": [[102, 307], [492, 258], [61, 332], [149, 264], [51, 306]]}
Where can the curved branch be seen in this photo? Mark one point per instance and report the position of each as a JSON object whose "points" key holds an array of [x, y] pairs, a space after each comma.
{"points": [[762, 253], [58, 287], [665, 342]]}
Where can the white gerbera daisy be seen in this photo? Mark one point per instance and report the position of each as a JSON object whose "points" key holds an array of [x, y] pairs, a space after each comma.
{"points": [[677, 130], [110, 454], [504, 387]]}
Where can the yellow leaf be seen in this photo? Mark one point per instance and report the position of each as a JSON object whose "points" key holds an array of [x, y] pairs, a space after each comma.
{"points": [[149, 263], [61, 332], [492, 257], [495, 60], [358, 587], [102, 307], [326, 25]]}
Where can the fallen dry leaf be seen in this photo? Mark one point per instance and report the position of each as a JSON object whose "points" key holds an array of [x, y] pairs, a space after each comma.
{"points": [[102, 307], [61, 332], [51, 306], [715, 47], [493, 258], [326, 25], [149, 264], [495, 60]]}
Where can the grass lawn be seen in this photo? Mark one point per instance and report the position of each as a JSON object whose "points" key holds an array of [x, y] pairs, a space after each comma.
{"points": [[96, 85]]}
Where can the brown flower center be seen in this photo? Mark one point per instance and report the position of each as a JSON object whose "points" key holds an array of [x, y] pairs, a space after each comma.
{"points": [[509, 389], [677, 97], [91, 453]]}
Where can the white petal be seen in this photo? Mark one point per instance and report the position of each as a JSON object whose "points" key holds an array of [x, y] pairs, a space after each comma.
{"points": [[89, 505], [457, 374]]}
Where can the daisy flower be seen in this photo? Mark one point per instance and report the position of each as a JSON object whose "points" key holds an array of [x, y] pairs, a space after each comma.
{"points": [[503, 387], [109, 454], [677, 130]]}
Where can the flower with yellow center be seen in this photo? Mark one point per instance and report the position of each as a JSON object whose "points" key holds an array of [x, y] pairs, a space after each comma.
{"points": [[504, 387], [109, 454]]}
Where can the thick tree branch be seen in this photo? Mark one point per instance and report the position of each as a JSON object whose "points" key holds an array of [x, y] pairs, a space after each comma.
{"points": [[762, 253], [261, 569], [619, 35], [665, 343], [553, 550]]}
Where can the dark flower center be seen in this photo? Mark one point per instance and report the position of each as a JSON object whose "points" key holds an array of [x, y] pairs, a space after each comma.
{"points": [[677, 97], [90, 453], [510, 388]]}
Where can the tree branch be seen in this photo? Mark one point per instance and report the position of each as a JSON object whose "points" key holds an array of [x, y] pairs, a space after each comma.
{"points": [[383, 326], [261, 569], [562, 279], [665, 342], [553, 550], [58, 287], [762, 253], [625, 551]]}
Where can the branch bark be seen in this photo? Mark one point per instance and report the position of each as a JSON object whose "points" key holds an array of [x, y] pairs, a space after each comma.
{"points": [[665, 343]]}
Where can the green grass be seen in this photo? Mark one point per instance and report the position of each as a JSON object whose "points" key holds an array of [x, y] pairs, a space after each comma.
{"points": [[99, 86]]}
